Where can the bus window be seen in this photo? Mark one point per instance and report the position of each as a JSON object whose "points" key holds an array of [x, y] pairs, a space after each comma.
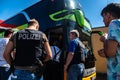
{"points": [[55, 35], [72, 4]]}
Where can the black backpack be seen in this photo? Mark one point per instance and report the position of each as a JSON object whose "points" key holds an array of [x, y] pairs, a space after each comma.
{"points": [[82, 50]]}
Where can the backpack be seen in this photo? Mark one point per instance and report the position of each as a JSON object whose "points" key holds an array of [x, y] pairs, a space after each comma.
{"points": [[82, 50], [57, 52], [87, 57]]}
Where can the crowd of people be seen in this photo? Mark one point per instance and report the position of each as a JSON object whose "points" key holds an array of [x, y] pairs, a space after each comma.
{"points": [[27, 54]]}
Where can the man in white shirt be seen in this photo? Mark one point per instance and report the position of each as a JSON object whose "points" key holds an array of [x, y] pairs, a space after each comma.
{"points": [[4, 66]]}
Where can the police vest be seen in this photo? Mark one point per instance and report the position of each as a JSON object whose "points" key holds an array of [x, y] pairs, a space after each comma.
{"points": [[28, 45]]}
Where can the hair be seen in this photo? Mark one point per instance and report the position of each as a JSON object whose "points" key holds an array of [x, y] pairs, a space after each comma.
{"points": [[75, 32], [7, 32], [113, 9], [33, 22]]}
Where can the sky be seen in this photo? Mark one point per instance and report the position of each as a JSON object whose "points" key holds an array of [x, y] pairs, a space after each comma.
{"points": [[91, 8]]}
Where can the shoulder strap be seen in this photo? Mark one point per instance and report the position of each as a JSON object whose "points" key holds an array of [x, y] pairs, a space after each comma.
{"points": [[82, 47], [81, 44]]}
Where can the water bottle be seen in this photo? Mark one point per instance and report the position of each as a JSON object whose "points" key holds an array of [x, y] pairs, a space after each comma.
{"points": [[100, 33]]}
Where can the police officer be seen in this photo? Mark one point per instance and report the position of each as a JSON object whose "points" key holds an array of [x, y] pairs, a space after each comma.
{"points": [[29, 43]]}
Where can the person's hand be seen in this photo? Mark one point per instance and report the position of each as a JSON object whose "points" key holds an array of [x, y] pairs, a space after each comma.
{"points": [[65, 68], [101, 53], [103, 37]]}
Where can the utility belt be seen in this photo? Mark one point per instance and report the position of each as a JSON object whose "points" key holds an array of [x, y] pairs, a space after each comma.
{"points": [[28, 68]]}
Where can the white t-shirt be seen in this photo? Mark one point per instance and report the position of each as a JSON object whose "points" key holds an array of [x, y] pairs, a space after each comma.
{"points": [[58, 52], [3, 43]]}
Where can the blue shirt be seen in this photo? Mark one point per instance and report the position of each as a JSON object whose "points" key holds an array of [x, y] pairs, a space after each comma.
{"points": [[113, 63], [73, 45]]}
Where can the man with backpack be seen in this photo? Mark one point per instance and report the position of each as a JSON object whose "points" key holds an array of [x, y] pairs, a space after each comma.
{"points": [[52, 68], [74, 65], [30, 44]]}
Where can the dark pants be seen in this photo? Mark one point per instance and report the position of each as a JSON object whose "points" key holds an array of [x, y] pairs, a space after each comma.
{"points": [[52, 71], [4, 73]]}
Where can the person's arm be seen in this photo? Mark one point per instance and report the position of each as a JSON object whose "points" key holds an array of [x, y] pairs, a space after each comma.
{"points": [[48, 50], [110, 47], [7, 52], [68, 60], [101, 53], [70, 55], [112, 40]]}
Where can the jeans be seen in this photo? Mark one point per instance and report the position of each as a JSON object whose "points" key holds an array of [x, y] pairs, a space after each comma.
{"points": [[75, 72], [4, 73], [23, 75]]}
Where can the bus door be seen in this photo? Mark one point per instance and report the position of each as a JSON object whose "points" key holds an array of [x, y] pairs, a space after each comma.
{"points": [[56, 38]]}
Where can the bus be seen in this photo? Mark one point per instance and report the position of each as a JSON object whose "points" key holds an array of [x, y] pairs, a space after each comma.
{"points": [[58, 17]]}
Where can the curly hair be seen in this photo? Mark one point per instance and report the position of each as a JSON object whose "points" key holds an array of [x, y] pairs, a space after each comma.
{"points": [[113, 9]]}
